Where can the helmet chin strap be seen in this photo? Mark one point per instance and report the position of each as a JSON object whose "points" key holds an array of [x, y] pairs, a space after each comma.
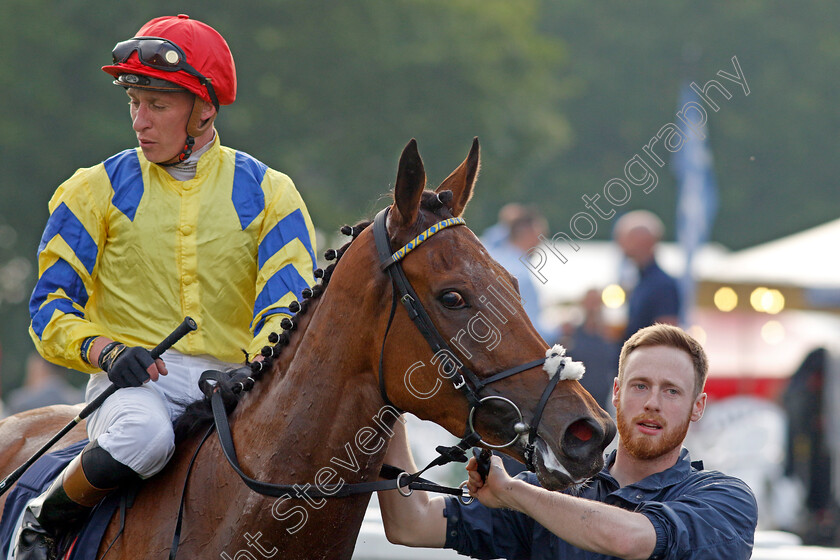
{"points": [[195, 128]]}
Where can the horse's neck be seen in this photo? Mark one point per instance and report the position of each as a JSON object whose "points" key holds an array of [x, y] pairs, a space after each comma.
{"points": [[315, 420], [308, 413]]}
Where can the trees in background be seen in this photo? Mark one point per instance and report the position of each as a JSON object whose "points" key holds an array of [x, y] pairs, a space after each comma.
{"points": [[561, 95]]}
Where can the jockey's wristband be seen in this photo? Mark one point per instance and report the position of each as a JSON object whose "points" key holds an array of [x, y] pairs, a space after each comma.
{"points": [[110, 354], [85, 349]]}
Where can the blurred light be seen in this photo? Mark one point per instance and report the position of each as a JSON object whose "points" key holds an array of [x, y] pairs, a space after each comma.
{"points": [[773, 332], [726, 299], [613, 296], [773, 301], [756, 297], [767, 301], [698, 333]]}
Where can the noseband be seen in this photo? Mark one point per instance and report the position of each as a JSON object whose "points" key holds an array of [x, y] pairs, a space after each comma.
{"points": [[466, 382]]}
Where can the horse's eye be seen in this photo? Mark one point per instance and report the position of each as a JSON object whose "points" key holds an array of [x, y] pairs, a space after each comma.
{"points": [[453, 300]]}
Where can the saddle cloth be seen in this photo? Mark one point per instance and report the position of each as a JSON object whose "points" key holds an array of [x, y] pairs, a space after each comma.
{"points": [[33, 483]]}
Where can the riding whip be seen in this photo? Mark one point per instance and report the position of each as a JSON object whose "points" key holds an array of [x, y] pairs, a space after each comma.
{"points": [[188, 325]]}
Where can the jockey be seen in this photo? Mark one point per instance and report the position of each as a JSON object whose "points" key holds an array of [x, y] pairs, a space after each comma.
{"points": [[179, 226]]}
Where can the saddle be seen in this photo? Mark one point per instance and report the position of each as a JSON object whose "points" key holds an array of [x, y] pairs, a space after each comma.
{"points": [[34, 482]]}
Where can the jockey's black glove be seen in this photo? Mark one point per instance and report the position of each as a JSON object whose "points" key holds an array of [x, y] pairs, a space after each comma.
{"points": [[126, 365]]}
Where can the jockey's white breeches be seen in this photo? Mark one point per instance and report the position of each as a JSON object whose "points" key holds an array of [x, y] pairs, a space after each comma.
{"points": [[134, 424]]}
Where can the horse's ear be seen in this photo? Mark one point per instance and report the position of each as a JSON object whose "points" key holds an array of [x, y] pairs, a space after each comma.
{"points": [[411, 180], [462, 180]]}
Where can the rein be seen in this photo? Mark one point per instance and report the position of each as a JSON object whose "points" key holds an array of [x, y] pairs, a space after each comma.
{"points": [[395, 478], [340, 490]]}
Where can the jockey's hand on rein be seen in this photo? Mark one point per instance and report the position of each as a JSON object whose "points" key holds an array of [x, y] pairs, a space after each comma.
{"points": [[127, 366]]}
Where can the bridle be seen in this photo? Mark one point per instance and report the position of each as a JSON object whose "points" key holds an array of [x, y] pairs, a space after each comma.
{"points": [[466, 382]]}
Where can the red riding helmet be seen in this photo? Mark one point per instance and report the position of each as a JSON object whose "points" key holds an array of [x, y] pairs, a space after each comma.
{"points": [[180, 51]]}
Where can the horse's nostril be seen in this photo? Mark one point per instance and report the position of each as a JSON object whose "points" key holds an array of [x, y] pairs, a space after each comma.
{"points": [[581, 430], [581, 439]]}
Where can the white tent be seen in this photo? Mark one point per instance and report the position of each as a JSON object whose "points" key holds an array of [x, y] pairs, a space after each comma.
{"points": [[809, 259]]}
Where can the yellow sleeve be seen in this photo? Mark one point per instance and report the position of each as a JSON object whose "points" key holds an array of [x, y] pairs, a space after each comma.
{"points": [[68, 255], [286, 257]]}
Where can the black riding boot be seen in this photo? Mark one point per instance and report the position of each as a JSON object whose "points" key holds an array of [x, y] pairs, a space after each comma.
{"points": [[64, 507]]}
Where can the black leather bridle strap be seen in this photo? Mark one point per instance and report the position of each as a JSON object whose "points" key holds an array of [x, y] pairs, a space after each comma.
{"points": [[415, 309], [176, 538], [424, 324], [382, 389], [535, 423], [507, 373]]}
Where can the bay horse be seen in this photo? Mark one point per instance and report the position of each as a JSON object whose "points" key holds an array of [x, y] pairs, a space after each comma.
{"points": [[321, 415]]}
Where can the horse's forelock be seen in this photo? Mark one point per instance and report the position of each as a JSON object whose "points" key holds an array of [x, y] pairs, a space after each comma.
{"points": [[436, 203]]}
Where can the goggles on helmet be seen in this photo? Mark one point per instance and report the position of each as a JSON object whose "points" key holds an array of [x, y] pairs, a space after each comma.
{"points": [[161, 54]]}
